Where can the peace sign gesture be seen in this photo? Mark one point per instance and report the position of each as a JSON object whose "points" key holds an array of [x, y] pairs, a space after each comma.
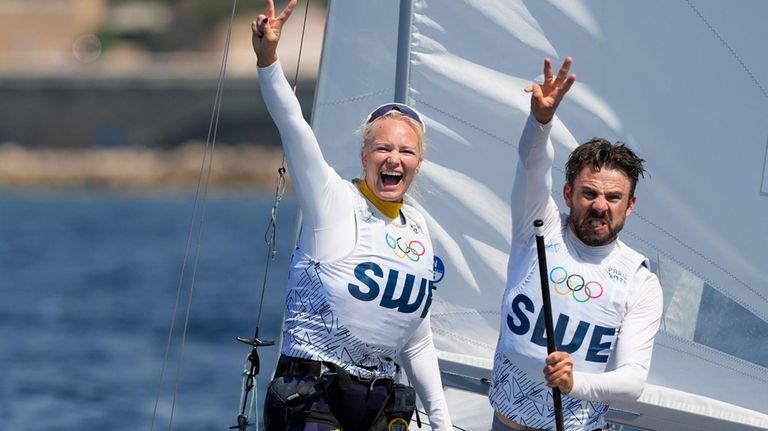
{"points": [[266, 32], [546, 97]]}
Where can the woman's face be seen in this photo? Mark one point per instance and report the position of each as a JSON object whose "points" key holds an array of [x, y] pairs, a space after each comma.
{"points": [[391, 158]]}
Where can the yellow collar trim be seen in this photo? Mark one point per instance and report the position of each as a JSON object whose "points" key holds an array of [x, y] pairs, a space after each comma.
{"points": [[389, 209]]}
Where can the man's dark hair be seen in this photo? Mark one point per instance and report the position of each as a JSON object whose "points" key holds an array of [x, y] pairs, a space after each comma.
{"points": [[599, 153]]}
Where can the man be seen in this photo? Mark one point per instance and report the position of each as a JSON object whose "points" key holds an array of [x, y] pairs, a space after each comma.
{"points": [[606, 303]]}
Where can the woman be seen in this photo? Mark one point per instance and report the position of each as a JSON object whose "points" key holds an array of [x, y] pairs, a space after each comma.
{"points": [[360, 279]]}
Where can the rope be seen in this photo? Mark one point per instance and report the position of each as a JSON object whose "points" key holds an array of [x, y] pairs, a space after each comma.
{"points": [[195, 226], [270, 238]]}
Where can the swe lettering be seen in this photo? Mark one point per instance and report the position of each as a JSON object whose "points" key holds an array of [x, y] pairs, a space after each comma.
{"points": [[371, 275]]}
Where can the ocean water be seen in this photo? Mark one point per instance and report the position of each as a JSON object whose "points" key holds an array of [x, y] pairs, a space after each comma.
{"points": [[88, 283]]}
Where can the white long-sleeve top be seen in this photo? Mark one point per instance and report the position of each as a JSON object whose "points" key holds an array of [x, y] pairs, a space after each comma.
{"points": [[609, 324], [328, 237]]}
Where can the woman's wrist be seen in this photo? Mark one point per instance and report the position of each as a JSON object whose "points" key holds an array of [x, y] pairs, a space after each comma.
{"points": [[266, 60]]}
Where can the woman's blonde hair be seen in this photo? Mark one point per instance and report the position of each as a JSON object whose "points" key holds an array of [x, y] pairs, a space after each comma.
{"points": [[417, 127]]}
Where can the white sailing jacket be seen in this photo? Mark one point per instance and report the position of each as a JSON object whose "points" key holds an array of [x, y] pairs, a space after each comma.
{"points": [[359, 311], [606, 306], [589, 296]]}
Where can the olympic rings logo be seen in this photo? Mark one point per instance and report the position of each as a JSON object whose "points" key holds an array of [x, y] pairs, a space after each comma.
{"points": [[397, 424], [575, 285], [413, 249]]}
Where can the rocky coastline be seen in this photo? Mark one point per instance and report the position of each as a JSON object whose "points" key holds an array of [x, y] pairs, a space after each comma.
{"points": [[127, 168]]}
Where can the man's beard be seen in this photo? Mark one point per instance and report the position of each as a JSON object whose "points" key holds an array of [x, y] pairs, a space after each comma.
{"points": [[586, 235]]}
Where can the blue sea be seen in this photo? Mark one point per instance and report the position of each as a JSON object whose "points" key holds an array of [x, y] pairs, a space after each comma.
{"points": [[88, 286]]}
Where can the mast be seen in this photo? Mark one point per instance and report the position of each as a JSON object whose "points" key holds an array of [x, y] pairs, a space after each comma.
{"points": [[403, 64]]}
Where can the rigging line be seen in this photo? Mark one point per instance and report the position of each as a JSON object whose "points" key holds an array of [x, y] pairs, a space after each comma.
{"points": [[729, 48], [182, 272], [270, 238], [206, 168], [200, 228], [301, 48], [212, 134]]}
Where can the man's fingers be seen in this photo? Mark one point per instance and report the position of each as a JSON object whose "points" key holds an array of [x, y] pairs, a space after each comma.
{"points": [[562, 74], [555, 357], [547, 70], [535, 91], [553, 377], [568, 84]]}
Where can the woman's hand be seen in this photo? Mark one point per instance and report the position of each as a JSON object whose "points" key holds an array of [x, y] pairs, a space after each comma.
{"points": [[266, 32]]}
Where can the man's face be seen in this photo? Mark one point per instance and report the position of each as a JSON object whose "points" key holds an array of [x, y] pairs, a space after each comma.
{"points": [[599, 203]]}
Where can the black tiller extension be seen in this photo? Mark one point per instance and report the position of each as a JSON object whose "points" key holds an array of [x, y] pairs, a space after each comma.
{"points": [[538, 226]]}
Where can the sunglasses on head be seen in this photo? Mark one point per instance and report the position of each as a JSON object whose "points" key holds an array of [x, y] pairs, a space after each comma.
{"points": [[399, 107]]}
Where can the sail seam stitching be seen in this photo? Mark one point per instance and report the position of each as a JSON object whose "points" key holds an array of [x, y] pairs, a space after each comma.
{"points": [[729, 48], [466, 123], [710, 352], [697, 273], [355, 99]]}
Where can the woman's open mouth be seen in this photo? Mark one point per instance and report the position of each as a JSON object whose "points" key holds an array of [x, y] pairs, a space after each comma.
{"points": [[389, 179]]}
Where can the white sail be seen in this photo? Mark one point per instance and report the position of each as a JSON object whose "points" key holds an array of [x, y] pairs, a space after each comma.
{"points": [[682, 82]]}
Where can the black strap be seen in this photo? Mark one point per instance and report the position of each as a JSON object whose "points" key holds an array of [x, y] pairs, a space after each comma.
{"points": [[288, 365], [291, 366]]}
